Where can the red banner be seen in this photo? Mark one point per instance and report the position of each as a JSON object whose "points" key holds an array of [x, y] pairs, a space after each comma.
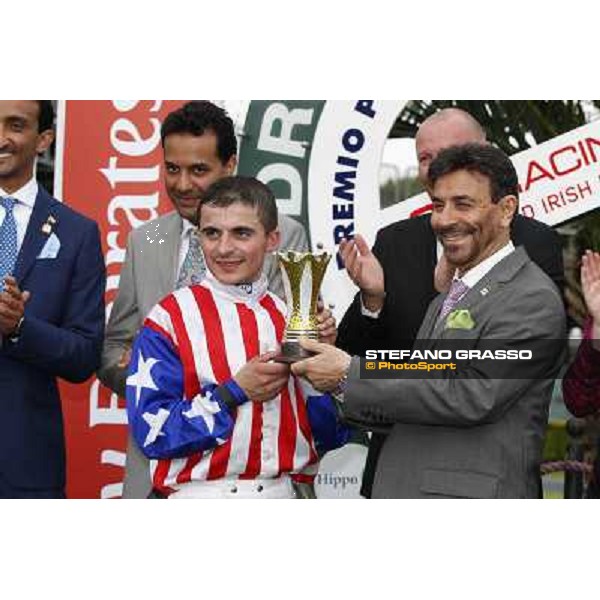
{"points": [[108, 167]]}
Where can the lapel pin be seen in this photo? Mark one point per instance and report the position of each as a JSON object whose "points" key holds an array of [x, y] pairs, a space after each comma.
{"points": [[48, 225], [485, 291]]}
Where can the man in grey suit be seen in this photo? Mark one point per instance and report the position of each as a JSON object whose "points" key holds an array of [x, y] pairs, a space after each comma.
{"points": [[200, 147], [476, 431]]}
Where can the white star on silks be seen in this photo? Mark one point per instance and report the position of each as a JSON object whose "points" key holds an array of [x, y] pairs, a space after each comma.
{"points": [[156, 422], [143, 378], [203, 406]]}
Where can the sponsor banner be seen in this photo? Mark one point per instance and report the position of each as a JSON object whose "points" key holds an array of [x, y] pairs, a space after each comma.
{"points": [[344, 182], [340, 472], [276, 147], [322, 160], [558, 180], [108, 168]]}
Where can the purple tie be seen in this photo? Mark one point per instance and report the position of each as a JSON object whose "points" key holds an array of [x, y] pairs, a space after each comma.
{"points": [[457, 290]]}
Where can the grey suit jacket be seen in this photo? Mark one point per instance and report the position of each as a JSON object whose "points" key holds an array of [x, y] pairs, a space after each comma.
{"points": [[471, 437], [148, 275]]}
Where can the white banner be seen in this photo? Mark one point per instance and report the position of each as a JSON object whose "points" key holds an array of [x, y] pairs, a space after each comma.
{"points": [[559, 179]]}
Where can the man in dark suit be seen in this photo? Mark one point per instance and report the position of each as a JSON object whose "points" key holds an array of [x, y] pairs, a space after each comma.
{"points": [[53, 279], [408, 254]]}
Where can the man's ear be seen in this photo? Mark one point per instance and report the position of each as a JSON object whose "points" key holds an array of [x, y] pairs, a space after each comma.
{"points": [[44, 141], [231, 165], [509, 206], [273, 239]]}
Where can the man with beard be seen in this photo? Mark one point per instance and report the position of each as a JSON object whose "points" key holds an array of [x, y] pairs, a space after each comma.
{"points": [[200, 147]]}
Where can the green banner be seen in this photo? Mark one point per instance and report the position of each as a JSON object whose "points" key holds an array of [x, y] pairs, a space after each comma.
{"points": [[276, 146]]}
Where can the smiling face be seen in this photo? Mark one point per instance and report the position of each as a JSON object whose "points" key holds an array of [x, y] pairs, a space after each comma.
{"points": [[235, 242], [192, 164], [468, 224], [20, 142]]}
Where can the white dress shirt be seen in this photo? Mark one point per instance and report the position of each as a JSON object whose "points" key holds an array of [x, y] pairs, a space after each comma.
{"points": [[473, 276], [25, 201], [470, 278]]}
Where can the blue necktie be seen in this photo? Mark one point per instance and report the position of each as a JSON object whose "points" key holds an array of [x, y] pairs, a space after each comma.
{"points": [[8, 240], [193, 268]]}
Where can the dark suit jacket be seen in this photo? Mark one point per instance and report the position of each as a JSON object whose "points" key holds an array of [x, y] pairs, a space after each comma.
{"points": [[61, 337], [407, 252]]}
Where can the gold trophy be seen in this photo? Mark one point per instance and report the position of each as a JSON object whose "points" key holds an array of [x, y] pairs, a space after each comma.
{"points": [[302, 274]]}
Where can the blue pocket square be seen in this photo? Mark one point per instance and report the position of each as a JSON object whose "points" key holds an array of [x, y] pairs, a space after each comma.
{"points": [[51, 248]]}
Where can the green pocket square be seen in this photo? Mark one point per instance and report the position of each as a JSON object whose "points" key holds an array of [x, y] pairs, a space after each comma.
{"points": [[460, 319]]}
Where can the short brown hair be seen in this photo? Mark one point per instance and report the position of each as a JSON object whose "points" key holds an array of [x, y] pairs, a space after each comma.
{"points": [[245, 190]]}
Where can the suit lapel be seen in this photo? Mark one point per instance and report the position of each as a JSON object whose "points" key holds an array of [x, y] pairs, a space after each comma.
{"points": [[168, 256], [35, 238], [428, 326], [485, 288]]}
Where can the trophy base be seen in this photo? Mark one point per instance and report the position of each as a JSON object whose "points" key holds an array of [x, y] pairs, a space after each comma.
{"points": [[292, 352]]}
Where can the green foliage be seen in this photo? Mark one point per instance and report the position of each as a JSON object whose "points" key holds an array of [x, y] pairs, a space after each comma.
{"points": [[512, 125], [588, 234], [396, 190]]}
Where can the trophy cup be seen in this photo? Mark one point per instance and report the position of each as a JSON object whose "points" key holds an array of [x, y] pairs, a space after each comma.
{"points": [[302, 274]]}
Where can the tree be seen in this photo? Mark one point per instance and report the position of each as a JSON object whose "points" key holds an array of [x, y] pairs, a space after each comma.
{"points": [[513, 125]]}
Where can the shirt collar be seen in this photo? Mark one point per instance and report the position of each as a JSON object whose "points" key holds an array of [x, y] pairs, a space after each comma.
{"points": [[186, 227], [25, 194], [246, 292], [473, 276]]}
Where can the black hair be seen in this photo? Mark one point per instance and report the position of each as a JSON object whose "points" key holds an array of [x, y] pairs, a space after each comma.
{"points": [[246, 190], [46, 117], [480, 158], [198, 116]]}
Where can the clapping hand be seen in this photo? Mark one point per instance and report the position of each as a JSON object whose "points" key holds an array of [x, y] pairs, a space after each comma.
{"points": [[590, 283], [12, 306], [365, 271]]}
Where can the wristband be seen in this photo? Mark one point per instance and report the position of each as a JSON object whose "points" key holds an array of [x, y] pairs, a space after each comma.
{"points": [[340, 388]]}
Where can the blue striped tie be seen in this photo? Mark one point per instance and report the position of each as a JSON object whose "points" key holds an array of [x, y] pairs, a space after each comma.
{"points": [[193, 268], [8, 240]]}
